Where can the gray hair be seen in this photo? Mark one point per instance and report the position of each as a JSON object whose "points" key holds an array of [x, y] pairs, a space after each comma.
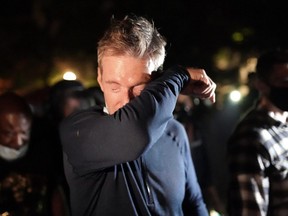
{"points": [[133, 36]]}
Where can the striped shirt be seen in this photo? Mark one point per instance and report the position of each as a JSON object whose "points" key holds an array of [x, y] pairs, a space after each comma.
{"points": [[258, 166]]}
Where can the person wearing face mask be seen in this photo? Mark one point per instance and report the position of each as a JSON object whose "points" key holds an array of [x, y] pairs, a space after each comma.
{"points": [[15, 124], [27, 187], [258, 148]]}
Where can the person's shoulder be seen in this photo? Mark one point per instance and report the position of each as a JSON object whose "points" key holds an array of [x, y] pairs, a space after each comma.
{"points": [[81, 115], [248, 130], [255, 118]]}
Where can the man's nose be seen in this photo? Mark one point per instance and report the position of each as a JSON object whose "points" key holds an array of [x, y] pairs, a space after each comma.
{"points": [[18, 141], [127, 97]]}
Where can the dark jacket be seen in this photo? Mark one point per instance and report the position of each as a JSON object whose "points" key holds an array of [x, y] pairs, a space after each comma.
{"points": [[134, 162]]}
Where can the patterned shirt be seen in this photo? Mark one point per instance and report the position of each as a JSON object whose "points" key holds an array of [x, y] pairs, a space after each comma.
{"points": [[258, 166]]}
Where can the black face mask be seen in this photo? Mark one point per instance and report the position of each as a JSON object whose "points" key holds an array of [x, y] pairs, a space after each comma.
{"points": [[279, 97]]}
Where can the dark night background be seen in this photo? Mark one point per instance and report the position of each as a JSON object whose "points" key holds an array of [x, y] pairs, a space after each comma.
{"points": [[36, 33], [39, 39]]}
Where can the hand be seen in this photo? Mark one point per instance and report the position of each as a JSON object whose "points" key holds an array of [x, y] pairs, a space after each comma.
{"points": [[200, 85]]}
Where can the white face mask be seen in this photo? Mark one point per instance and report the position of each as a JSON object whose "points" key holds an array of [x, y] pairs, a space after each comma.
{"points": [[10, 154]]}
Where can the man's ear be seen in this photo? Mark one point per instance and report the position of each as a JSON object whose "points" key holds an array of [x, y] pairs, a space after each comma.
{"points": [[99, 77]]}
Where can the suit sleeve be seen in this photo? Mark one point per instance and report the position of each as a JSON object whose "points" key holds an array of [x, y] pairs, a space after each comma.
{"points": [[93, 140]]}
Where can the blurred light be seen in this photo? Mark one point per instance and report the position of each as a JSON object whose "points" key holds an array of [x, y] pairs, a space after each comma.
{"points": [[221, 58], [227, 59], [196, 101], [214, 213], [246, 68], [207, 102], [235, 96], [69, 75], [237, 37]]}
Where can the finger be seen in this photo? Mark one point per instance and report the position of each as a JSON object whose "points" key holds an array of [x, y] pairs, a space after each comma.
{"points": [[203, 77], [213, 98], [206, 91]]}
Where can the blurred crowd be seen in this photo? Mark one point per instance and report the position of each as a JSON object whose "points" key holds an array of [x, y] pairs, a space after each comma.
{"points": [[32, 180]]}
